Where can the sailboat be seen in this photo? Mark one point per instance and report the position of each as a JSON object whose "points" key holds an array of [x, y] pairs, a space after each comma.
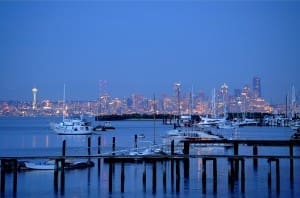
{"points": [[72, 126], [153, 149]]}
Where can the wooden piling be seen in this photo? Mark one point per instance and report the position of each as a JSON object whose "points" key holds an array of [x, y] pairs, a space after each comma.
{"points": [[172, 147], [172, 174], [242, 175], [276, 160], [64, 148], [204, 160], [231, 175], [154, 177], [236, 165], [62, 176], [110, 177], [234, 172], [122, 177], [291, 151], [186, 148], [59, 166], [15, 176], [255, 161], [3, 172], [177, 175], [99, 152], [55, 177], [186, 169], [135, 141], [113, 145], [164, 177], [144, 178], [89, 148]]}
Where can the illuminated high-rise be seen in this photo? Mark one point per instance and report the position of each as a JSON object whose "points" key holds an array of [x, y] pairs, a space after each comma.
{"points": [[256, 87], [34, 91]]}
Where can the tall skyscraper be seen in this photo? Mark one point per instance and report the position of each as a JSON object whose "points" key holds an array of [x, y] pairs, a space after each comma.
{"points": [[256, 87], [34, 91]]}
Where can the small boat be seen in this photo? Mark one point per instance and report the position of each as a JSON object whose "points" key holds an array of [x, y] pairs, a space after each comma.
{"points": [[296, 136], [40, 165], [74, 126], [179, 136], [50, 165], [71, 126], [106, 126]]}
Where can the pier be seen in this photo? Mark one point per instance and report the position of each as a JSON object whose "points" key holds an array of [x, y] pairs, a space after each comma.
{"points": [[178, 163]]}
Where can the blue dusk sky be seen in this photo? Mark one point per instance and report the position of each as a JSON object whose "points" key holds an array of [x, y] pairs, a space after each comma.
{"points": [[146, 46]]}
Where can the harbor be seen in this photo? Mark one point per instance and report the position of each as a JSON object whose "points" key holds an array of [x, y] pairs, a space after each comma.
{"points": [[269, 166]]}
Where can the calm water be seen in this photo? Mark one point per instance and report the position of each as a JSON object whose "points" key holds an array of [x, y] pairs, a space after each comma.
{"points": [[32, 136]]}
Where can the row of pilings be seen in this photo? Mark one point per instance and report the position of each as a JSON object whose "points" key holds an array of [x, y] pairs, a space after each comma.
{"points": [[236, 163]]}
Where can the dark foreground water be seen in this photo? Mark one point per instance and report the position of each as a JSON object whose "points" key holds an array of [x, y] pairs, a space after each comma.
{"points": [[32, 136]]}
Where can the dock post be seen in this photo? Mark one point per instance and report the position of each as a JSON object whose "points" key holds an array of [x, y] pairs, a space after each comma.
{"points": [[164, 177], [203, 176], [231, 175], [243, 175], [276, 160], [255, 152], [59, 164], [186, 169], [177, 175], [113, 145], [62, 176], [15, 175], [186, 148], [204, 160], [55, 176], [99, 152], [122, 177], [3, 171], [154, 177], [236, 165], [234, 172], [291, 149], [64, 148], [89, 148], [144, 177], [172, 147], [110, 177], [135, 141], [172, 174]]}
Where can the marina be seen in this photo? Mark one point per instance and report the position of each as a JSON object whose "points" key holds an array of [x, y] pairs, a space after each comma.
{"points": [[247, 168]]}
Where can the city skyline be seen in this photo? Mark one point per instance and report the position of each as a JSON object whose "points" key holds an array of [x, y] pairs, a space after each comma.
{"points": [[144, 47]]}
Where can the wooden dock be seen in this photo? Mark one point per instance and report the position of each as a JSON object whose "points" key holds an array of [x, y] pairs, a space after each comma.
{"points": [[236, 162]]}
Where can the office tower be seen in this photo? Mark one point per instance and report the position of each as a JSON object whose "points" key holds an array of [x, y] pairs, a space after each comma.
{"points": [[34, 91], [256, 87]]}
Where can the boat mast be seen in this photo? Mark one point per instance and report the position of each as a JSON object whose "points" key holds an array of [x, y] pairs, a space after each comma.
{"points": [[154, 117], [64, 102]]}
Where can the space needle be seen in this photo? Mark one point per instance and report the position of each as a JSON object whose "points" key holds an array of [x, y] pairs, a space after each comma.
{"points": [[34, 91]]}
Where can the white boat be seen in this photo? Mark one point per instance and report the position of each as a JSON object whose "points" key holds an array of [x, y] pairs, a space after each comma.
{"points": [[179, 135], [50, 165], [44, 165], [295, 124], [71, 126], [74, 126], [147, 151], [248, 122]]}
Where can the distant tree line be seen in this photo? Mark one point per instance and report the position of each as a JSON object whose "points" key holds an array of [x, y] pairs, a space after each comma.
{"points": [[137, 116]]}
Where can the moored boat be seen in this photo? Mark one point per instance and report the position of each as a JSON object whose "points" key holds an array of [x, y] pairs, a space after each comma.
{"points": [[50, 165], [74, 126]]}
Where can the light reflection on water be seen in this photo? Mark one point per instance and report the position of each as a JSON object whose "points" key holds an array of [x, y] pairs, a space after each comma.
{"points": [[33, 136]]}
